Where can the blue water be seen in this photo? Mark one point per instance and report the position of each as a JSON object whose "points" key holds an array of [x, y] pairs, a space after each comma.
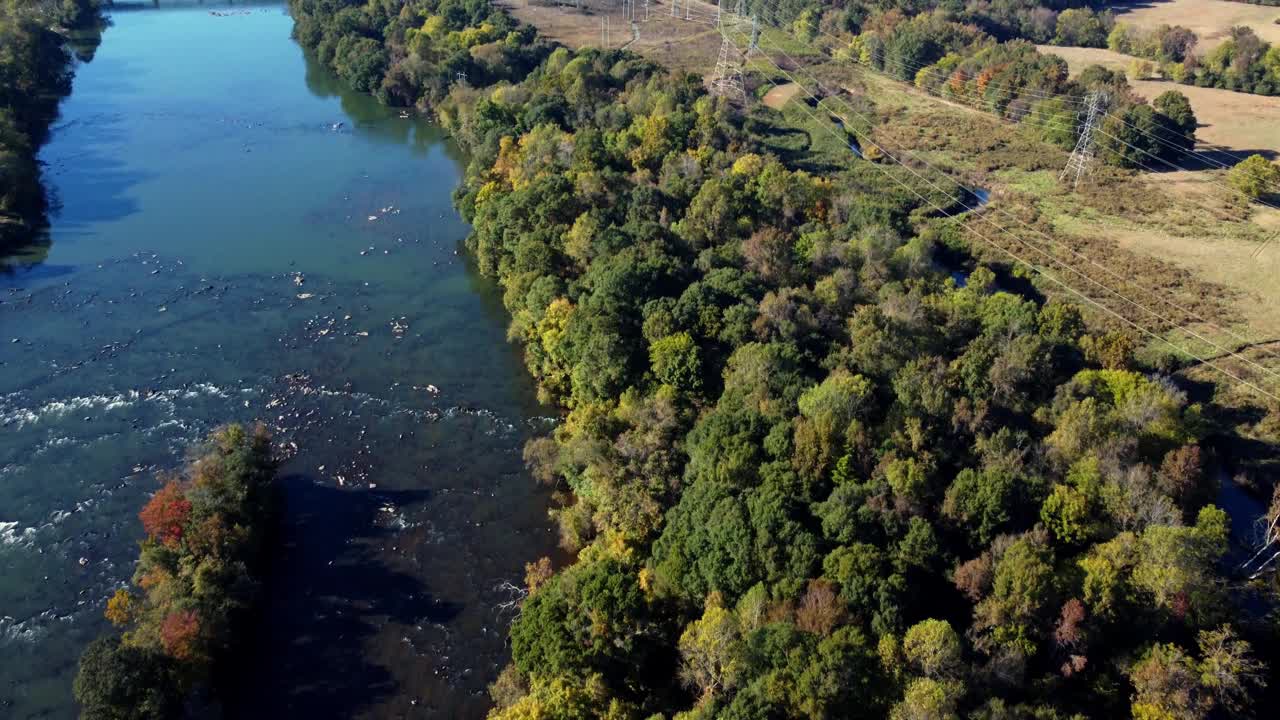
{"points": [[239, 238]]}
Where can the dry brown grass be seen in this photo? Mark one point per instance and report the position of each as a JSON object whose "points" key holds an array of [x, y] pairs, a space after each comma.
{"points": [[1231, 120], [1210, 19], [780, 95], [674, 42], [1079, 58]]}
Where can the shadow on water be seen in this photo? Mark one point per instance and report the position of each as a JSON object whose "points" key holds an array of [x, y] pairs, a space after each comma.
{"points": [[99, 180], [329, 592], [31, 268], [373, 120], [102, 185]]}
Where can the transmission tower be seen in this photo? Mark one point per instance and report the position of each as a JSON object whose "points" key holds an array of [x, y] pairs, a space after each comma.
{"points": [[1082, 157], [727, 81]]}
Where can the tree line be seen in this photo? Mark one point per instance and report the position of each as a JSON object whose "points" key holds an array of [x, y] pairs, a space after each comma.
{"points": [[1243, 62], [1015, 81], [198, 577], [35, 74], [804, 470]]}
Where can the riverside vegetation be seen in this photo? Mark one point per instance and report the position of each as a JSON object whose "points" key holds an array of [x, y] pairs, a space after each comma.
{"points": [[35, 74], [804, 471], [196, 582]]}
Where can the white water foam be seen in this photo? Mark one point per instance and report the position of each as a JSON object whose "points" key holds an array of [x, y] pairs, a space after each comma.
{"points": [[13, 415]]}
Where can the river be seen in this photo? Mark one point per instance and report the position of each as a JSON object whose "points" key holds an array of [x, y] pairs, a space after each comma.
{"points": [[241, 238]]}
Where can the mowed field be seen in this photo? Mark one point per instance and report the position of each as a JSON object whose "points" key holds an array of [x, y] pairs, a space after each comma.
{"points": [[1212, 20], [1232, 121], [685, 44]]}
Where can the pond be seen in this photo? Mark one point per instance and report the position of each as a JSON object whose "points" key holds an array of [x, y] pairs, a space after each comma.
{"points": [[239, 238]]}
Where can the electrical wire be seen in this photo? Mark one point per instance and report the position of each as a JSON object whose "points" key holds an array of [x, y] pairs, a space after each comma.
{"points": [[1225, 351]]}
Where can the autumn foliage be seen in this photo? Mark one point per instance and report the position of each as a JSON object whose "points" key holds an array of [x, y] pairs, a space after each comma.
{"points": [[195, 577], [165, 516], [120, 607], [179, 634]]}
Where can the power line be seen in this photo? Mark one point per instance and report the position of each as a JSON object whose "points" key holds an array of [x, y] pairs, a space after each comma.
{"points": [[1038, 269], [1110, 311], [1042, 251], [1243, 340], [972, 96]]}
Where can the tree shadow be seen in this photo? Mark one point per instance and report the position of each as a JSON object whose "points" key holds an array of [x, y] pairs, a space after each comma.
{"points": [[327, 595], [1125, 5], [1216, 157]]}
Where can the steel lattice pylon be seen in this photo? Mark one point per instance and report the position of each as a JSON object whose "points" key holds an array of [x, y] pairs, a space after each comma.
{"points": [[1082, 157], [727, 80]]}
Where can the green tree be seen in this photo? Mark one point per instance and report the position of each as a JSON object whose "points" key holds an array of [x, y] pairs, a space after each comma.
{"points": [[1056, 121], [360, 62], [929, 699], [675, 361], [1081, 27], [1175, 106], [706, 545], [843, 678], [712, 650], [1067, 514], [1255, 177], [1022, 587], [933, 649], [588, 618], [122, 682], [1170, 684], [1176, 564]]}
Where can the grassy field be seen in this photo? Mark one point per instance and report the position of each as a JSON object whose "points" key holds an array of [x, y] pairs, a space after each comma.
{"points": [[1210, 19], [688, 41], [1238, 122], [677, 43], [1079, 58]]}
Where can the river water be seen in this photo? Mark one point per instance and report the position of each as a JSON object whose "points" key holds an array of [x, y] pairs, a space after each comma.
{"points": [[240, 238]]}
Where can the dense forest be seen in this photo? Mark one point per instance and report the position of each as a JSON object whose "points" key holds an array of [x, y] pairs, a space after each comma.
{"points": [[804, 471], [35, 74], [196, 581]]}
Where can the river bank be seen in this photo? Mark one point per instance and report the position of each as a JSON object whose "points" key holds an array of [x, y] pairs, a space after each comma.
{"points": [[43, 44]]}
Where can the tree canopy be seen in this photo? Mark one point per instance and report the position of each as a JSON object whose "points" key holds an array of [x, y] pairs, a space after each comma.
{"points": [[197, 578], [808, 473]]}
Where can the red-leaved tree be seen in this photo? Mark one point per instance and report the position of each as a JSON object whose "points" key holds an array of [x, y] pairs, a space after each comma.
{"points": [[179, 633], [165, 516]]}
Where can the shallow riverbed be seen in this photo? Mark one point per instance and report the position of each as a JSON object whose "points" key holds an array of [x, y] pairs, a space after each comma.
{"points": [[239, 238]]}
